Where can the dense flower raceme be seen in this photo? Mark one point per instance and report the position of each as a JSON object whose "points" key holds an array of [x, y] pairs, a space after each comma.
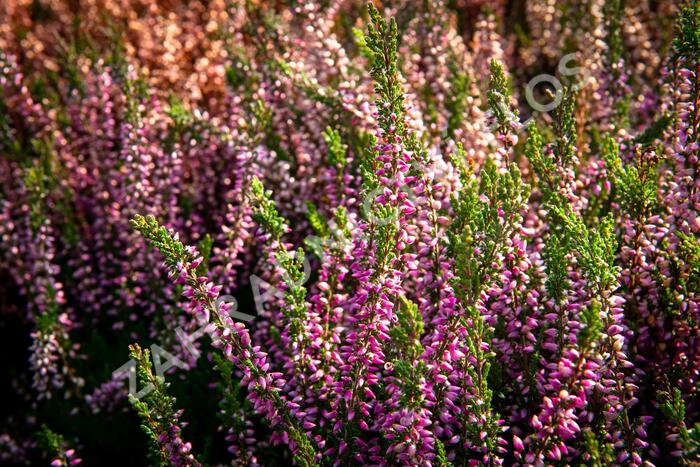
{"points": [[380, 246]]}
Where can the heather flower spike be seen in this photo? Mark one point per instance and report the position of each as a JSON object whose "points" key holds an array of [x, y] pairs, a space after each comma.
{"points": [[231, 338]]}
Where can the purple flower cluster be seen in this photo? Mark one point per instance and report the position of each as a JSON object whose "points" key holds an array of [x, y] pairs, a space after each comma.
{"points": [[430, 278]]}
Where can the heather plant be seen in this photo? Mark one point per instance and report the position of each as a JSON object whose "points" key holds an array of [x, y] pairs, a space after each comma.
{"points": [[160, 421], [330, 233]]}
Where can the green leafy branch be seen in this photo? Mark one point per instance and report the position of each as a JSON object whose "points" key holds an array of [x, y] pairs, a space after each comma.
{"points": [[159, 420], [636, 186], [177, 257]]}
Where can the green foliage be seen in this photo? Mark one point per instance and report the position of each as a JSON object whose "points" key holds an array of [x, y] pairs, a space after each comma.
{"points": [[547, 161], [156, 409], [655, 131], [228, 387], [499, 85], [359, 38], [47, 321], [261, 127], [601, 454], [550, 162], [613, 33], [544, 167], [9, 144], [340, 218], [336, 149], [689, 253], [331, 238], [406, 350], [691, 452], [51, 443], [204, 247], [325, 95], [367, 165], [167, 243], [36, 182], [233, 410], [554, 255], [593, 325], [485, 215], [381, 39], [478, 332], [636, 186], [406, 333], [386, 233], [499, 97], [613, 10], [238, 71], [683, 275], [689, 249], [687, 41], [264, 210], [135, 92], [673, 407], [595, 252], [595, 248], [440, 455], [296, 308], [235, 74], [565, 129], [456, 99], [316, 220], [292, 264], [46, 197], [179, 114]]}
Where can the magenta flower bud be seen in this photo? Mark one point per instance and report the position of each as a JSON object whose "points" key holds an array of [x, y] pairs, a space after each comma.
{"points": [[196, 262], [518, 443]]}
